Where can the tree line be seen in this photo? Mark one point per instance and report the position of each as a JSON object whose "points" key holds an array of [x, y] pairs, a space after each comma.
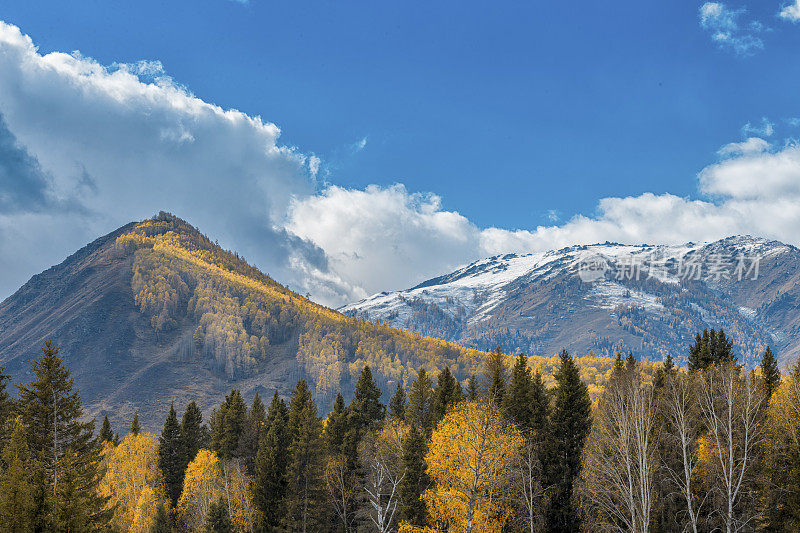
{"points": [[710, 448]]}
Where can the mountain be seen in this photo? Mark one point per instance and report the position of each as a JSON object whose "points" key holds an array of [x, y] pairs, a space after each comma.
{"points": [[650, 300], [155, 312]]}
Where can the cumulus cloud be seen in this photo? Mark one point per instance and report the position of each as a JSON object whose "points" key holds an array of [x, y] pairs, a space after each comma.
{"points": [[388, 238], [100, 146], [791, 12], [726, 29]]}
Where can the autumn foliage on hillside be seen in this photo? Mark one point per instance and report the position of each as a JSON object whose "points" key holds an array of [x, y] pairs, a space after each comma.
{"points": [[241, 318]]}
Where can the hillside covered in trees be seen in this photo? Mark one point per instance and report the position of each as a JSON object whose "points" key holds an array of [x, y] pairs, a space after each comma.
{"points": [[156, 312]]}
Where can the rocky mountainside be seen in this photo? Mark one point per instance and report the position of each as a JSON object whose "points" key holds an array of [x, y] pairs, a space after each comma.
{"points": [[609, 297], [156, 312]]}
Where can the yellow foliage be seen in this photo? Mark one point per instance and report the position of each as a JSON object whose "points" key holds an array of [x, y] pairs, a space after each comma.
{"points": [[202, 485], [470, 459], [133, 481]]}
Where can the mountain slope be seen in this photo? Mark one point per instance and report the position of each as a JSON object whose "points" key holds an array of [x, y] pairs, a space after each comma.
{"points": [[647, 299], [155, 312]]}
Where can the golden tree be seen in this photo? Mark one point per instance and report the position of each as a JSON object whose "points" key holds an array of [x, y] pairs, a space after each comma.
{"points": [[133, 481], [470, 459], [202, 485]]}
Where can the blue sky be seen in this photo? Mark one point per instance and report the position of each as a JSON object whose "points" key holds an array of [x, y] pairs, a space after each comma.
{"points": [[515, 114]]}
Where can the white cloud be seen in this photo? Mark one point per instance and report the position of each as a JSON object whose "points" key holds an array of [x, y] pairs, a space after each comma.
{"points": [[751, 146], [725, 29], [387, 238], [108, 145], [791, 12]]}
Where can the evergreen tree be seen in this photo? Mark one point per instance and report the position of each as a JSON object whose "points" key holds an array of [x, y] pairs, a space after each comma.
{"points": [[271, 467], [116, 439], [397, 405], [415, 479], [710, 348], [336, 426], [619, 365], [135, 427], [17, 503], [570, 424], [364, 414], [219, 519], [193, 433], [253, 432], [665, 371], [495, 373], [630, 362], [303, 496], [162, 523], [446, 394], [62, 448], [472, 388], [518, 405], [420, 402], [770, 372], [6, 409], [172, 456], [106, 435], [228, 425]]}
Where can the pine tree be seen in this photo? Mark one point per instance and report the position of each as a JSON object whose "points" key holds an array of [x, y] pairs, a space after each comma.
{"points": [[665, 371], [106, 434], [570, 424], [336, 426], [135, 427], [495, 373], [62, 448], [415, 479], [446, 394], [193, 432], [219, 519], [710, 348], [518, 405], [619, 365], [420, 402], [17, 503], [472, 388], [364, 414], [228, 425], [162, 523], [770, 372], [272, 462], [303, 496], [397, 405], [172, 456]]}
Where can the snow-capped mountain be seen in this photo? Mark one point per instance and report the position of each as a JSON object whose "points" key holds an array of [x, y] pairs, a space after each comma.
{"points": [[610, 297]]}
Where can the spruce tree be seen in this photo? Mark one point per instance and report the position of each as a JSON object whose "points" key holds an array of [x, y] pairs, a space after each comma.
{"points": [[6, 409], [472, 388], [62, 447], [228, 425], [518, 405], [219, 519], [17, 503], [446, 394], [304, 499], [106, 434], [495, 375], [364, 414], [420, 402], [770, 372], [253, 431], [397, 405], [569, 427], [336, 426], [193, 433], [665, 371], [710, 348], [272, 461], [415, 479], [135, 427], [172, 456]]}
